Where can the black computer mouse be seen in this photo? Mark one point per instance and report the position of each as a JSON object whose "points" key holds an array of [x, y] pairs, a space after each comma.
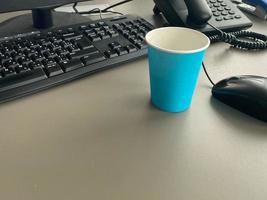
{"points": [[246, 93]]}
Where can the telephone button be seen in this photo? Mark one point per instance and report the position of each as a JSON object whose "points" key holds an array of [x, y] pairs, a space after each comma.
{"points": [[213, 9], [224, 13], [238, 16], [216, 14], [219, 19], [228, 17], [231, 12]]}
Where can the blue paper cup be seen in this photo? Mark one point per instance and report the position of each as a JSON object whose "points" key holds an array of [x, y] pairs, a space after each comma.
{"points": [[175, 57]]}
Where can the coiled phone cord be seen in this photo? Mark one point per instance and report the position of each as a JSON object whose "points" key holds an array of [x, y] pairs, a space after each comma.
{"points": [[260, 42], [235, 39]]}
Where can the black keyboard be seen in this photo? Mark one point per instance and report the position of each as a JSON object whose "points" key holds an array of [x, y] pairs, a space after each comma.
{"points": [[31, 62]]}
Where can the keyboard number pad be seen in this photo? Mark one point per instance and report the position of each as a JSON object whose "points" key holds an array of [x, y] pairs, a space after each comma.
{"points": [[99, 31], [135, 31]]}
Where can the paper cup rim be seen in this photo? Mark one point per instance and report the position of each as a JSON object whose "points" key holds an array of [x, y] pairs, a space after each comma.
{"points": [[178, 51]]}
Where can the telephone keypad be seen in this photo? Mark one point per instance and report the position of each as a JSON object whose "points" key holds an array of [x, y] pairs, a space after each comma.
{"points": [[221, 11]]}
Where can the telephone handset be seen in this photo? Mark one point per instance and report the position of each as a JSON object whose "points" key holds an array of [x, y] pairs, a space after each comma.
{"points": [[223, 14], [198, 11]]}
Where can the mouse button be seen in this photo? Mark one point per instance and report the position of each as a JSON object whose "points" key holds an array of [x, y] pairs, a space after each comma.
{"points": [[234, 78], [258, 82], [236, 81], [258, 86], [222, 84], [255, 81]]}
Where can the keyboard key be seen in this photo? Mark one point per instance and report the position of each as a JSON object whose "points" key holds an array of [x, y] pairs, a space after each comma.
{"points": [[71, 65], [68, 34], [122, 51], [35, 65], [83, 27], [101, 23], [104, 36], [94, 38], [113, 33], [114, 45], [131, 48], [111, 53], [9, 63], [93, 58], [83, 53], [84, 43], [92, 25], [22, 68], [48, 61], [21, 79], [8, 72], [53, 70], [141, 45]]}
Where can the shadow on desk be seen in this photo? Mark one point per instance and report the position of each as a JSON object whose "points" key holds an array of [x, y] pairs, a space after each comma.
{"points": [[237, 119]]}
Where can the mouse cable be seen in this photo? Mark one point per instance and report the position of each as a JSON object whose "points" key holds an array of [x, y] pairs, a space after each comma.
{"points": [[237, 39], [205, 70]]}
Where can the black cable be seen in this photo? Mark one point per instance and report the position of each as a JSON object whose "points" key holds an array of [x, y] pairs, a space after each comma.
{"points": [[115, 12], [95, 11], [116, 4], [260, 40], [205, 70], [74, 7]]}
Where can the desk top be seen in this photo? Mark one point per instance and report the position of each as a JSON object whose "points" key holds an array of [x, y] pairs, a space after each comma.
{"points": [[99, 138]]}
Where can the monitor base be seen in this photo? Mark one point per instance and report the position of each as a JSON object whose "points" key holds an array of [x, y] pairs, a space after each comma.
{"points": [[24, 23]]}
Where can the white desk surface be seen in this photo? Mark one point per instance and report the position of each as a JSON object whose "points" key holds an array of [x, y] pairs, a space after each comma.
{"points": [[99, 138]]}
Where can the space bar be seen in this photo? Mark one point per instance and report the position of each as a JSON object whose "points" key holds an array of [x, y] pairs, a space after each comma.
{"points": [[18, 80]]}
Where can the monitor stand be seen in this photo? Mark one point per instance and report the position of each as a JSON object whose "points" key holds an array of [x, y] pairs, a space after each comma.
{"points": [[41, 20]]}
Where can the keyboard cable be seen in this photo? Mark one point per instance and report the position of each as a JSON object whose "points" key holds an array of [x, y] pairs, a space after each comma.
{"points": [[98, 10]]}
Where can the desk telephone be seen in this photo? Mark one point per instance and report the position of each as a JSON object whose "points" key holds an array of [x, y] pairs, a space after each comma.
{"points": [[221, 20], [223, 14]]}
